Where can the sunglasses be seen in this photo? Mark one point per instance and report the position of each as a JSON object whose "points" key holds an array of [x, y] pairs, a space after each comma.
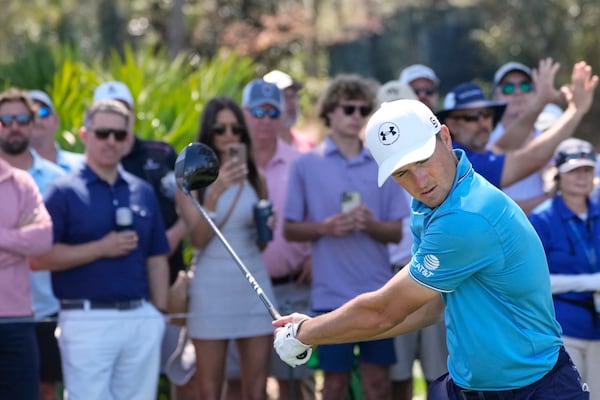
{"points": [[349, 109], [236, 129], [426, 90], [510, 87], [21, 119], [474, 116], [582, 155], [103, 134], [44, 112], [260, 113]]}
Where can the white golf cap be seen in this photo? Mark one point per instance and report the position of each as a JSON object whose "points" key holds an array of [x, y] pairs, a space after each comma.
{"points": [[395, 90], [114, 90], [509, 67], [573, 153], [282, 80], [417, 71], [42, 97], [401, 132]]}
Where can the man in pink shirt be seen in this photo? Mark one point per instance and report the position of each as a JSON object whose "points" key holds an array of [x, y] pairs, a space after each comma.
{"points": [[25, 230]]}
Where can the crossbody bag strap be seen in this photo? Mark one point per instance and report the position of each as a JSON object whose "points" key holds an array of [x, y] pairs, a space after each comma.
{"points": [[233, 204]]}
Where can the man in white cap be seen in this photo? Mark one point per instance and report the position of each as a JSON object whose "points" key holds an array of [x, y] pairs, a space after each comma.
{"points": [[291, 110], [475, 253], [154, 161], [428, 345], [519, 87], [44, 128], [423, 81]]}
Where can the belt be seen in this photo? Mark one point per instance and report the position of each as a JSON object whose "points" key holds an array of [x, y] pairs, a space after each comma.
{"points": [[100, 305], [282, 280]]}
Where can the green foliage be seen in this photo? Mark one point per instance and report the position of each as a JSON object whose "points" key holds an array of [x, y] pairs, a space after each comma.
{"points": [[169, 93]]}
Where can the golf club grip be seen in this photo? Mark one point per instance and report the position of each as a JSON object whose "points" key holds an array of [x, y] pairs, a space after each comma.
{"points": [[261, 295]]}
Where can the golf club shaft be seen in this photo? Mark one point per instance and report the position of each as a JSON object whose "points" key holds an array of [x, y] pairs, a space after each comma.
{"points": [[265, 300]]}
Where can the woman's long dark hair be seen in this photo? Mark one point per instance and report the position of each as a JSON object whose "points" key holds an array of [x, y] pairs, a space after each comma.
{"points": [[207, 136]]}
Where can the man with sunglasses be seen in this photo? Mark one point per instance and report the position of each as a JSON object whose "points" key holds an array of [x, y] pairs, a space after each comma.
{"points": [[348, 238], [525, 92], [44, 129], [471, 116], [154, 162], [110, 272], [423, 81], [17, 119]]}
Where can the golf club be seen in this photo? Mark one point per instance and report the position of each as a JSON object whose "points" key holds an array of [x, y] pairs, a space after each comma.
{"points": [[197, 166]]}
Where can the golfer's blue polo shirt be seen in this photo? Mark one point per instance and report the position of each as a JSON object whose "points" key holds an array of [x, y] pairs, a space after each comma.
{"points": [[82, 207], [487, 164], [479, 250]]}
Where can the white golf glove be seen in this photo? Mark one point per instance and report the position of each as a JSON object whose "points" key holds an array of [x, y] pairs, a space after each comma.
{"points": [[292, 351]]}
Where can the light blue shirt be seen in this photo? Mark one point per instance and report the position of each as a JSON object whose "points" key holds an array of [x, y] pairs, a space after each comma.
{"points": [[342, 266], [44, 302], [68, 160], [479, 250]]}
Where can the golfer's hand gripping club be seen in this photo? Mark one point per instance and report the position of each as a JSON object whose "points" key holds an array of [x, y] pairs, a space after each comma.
{"points": [[292, 351]]}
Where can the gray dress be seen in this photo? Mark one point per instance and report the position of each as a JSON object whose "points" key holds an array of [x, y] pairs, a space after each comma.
{"points": [[223, 305]]}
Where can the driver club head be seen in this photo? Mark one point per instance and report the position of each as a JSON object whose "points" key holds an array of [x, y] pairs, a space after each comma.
{"points": [[196, 167]]}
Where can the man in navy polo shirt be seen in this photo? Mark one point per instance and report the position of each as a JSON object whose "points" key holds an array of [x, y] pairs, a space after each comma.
{"points": [[109, 267]]}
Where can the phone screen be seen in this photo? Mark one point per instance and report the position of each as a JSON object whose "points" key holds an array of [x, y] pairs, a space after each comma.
{"points": [[350, 200], [237, 151]]}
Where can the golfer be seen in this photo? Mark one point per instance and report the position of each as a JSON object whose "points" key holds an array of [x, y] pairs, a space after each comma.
{"points": [[474, 252]]}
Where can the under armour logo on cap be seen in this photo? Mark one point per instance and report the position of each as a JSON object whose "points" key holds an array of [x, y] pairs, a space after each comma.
{"points": [[388, 133]]}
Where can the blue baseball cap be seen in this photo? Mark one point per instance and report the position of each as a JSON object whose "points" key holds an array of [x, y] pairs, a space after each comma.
{"points": [[259, 92], [467, 96]]}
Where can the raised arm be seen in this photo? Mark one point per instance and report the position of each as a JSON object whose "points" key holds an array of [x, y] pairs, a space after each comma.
{"points": [[517, 132], [538, 152]]}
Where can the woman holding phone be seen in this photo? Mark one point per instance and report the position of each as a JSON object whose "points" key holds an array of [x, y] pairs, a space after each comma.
{"points": [[222, 305]]}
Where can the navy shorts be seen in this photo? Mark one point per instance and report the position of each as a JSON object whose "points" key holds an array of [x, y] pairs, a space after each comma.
{"points": [[19, 368], [561, 383], [340, 357], [50, 364]]}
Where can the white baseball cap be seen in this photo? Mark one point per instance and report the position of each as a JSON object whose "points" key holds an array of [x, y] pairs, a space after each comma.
{"points": [[282, 80], [395, 90], [401, 132], [574, 153], [417, 71], [509, 67], [42, 97], [114, 90]]}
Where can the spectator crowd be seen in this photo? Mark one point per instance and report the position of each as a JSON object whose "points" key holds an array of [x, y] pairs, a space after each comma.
{"points": [[91, 242]]}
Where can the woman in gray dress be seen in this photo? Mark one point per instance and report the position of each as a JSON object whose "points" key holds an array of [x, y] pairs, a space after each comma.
{"points": [[223, 305]]}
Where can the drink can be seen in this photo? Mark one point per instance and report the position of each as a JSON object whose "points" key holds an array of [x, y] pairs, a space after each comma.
{"points": [[123, 219], [262, 212]]}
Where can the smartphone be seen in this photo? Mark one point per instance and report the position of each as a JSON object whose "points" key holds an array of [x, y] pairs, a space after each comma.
{"points": [[237, 152], [350, 200]]}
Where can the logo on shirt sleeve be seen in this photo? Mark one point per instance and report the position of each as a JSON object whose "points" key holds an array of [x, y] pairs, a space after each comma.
{"points": [[431, 262]]}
